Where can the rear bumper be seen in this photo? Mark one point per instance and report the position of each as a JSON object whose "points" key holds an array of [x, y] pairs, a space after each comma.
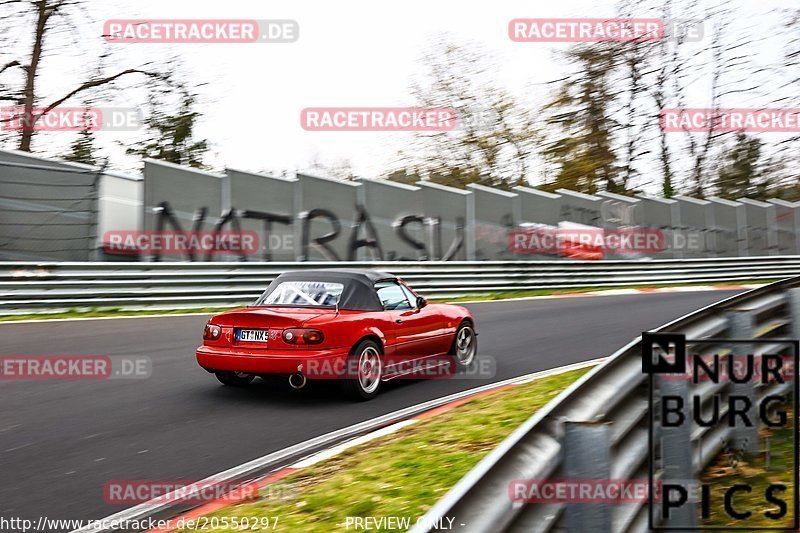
{"points": [[324, 364]]}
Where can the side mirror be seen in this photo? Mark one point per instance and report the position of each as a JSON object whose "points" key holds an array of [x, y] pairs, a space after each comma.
{"points": [[421, 302]]}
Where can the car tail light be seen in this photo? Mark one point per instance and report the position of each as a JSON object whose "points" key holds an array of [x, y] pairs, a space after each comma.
{"points": [[302, 336], [211, 332]]}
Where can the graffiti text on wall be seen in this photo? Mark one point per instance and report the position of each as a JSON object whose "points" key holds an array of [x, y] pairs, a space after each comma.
{"points": [[362, 234]]}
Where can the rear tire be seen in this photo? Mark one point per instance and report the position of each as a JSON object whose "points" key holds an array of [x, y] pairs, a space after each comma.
{"points": [[465, 345], [234, 379], [362, 379]]}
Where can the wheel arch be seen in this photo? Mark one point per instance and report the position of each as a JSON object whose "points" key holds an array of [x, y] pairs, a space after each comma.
{"points": [[471, 321], [372, 335], [468, 319]]}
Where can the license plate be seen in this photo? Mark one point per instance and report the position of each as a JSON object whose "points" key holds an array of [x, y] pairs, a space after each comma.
{"points": [[252, 335]]}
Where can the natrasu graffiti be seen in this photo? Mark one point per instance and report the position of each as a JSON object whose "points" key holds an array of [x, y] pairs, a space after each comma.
{"points": [[362, 234]]}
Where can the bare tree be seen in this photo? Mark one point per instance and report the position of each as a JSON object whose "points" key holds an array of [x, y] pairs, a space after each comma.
{"points": [[45, 15], [730, 72], [494, 135]]}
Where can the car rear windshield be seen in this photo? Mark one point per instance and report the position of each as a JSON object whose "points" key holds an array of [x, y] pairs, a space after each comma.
{"points": [[304, 293]]}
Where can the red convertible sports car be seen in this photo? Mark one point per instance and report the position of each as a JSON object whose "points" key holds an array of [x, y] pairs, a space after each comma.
{"points": [[359, 327]]}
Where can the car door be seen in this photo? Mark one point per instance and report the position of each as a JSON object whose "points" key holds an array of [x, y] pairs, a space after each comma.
{"points": [[433, 323], [416, 331]]}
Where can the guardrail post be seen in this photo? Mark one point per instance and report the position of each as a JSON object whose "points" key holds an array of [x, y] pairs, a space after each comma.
{"points": [[586, 456], [676, 451], [794, 312], [741, 327]]}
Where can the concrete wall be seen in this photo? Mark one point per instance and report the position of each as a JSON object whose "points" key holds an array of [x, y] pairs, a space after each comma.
{"points": [[619, 211], [53, 210], [446, 208], [787, 222], [538, 206], [697, 216], [494, 213], [580, 208], [665, 214], [185, 192], [728, 228], [326, 208], [760, 227], [266, 206], [61, 211], [396, 212], [182, 199]]}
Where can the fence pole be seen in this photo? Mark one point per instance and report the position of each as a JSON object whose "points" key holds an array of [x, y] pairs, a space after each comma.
{"points": [[793, 297], [586, 456], [676, 453], [741, 327]]}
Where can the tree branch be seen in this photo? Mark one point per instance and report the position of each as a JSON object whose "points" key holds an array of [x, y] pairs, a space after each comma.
{"points": [[10, 64], [98, 82]]}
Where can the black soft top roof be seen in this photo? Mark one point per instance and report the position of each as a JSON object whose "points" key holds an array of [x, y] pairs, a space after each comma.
{"points": [[359, 285]]}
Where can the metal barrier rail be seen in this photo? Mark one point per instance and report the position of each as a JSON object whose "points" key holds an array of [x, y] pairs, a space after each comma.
{"points": [[32, 287], [612, 397]]}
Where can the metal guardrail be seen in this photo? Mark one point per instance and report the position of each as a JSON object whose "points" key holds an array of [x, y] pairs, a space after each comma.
{"points": [[32, 287], [611, 402]]}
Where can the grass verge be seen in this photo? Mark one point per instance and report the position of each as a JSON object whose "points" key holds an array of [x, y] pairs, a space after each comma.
{"points": [[500, 295], [402, 474], [759, 472]]}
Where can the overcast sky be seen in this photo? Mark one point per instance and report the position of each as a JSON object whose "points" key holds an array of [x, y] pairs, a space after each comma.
{"points": [[349, 53]]}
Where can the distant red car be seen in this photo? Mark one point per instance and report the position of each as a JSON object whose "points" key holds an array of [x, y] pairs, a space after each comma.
{"points": [[357, 326]]}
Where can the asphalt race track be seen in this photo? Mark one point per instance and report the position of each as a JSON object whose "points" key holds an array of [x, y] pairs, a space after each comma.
{"points": [[61, 441]]}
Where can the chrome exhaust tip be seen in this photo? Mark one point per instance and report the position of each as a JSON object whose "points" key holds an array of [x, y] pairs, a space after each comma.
{"points": [[297, 381]]}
